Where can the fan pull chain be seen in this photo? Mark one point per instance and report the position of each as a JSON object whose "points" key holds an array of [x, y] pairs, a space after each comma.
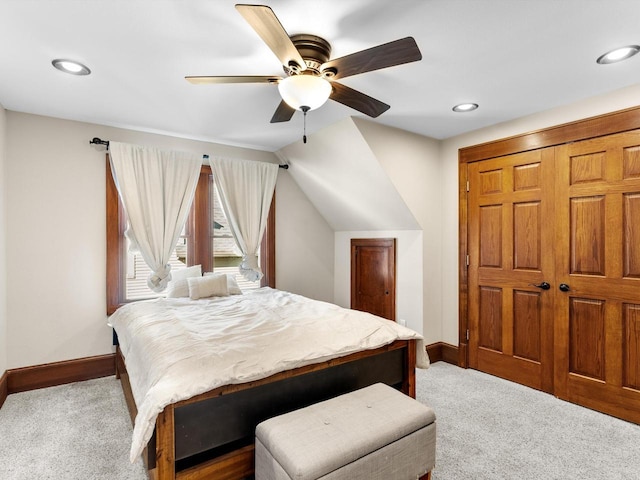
{"points": [[304, 124]]}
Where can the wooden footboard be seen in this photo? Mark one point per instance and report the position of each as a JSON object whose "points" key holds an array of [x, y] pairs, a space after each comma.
{"points": [[224, 418]]}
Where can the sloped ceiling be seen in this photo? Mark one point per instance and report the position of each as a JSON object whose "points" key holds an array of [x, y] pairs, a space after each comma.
{"points": [[342, 177]]}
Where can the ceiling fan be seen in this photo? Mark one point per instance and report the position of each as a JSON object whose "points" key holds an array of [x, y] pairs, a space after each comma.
{"points": [[310, 73]]}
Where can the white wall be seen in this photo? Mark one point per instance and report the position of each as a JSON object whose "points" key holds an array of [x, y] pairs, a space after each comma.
{"points": [[408, 277], [53, 227], [342, 177], [621, 99], [412, 163], [370, 179], [304, 244], [3, 284], [55, 234]]}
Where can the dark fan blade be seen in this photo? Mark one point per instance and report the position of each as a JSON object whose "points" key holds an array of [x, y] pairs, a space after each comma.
{"points": [[357, 100], [283, 113], [234, 79], [389, 54], [268, 27]]}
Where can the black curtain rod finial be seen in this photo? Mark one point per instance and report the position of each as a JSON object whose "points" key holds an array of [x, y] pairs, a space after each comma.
{"points": [[98, 141]]}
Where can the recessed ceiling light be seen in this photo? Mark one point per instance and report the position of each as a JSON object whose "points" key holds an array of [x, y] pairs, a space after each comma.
{"points": [[70, 66], [618, 54], [465, 107]]}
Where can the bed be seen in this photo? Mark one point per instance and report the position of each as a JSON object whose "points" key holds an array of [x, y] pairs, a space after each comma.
{"points": [[199, 375]]}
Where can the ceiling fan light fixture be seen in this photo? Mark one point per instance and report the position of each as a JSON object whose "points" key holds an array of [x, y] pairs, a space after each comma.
{"points": [[70, 66], [465, 107], [618, 54], [304, 91]]}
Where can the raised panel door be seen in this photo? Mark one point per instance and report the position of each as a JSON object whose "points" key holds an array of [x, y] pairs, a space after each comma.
{"points": [[510, 242], [597, 333], [373, 272]]}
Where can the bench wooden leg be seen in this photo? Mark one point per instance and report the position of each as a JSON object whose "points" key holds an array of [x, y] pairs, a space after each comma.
{"points": [[427, 476]]}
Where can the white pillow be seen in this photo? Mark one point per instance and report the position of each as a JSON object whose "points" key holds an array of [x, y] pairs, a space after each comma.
{"points": [[178, 286], [232, 284], [182, 273], [208, 286]]}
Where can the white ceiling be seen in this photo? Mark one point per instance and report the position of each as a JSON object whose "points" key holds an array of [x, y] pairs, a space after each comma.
{"points": [[513, 57]]}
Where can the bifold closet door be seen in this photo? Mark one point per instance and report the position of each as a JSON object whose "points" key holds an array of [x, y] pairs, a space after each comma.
{"points": [[597, 296], [511, 267]]}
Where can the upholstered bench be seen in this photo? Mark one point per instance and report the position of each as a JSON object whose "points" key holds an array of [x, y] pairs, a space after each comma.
{"points": [[376, 433]]}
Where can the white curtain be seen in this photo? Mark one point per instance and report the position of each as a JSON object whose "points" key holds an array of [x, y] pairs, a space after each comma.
{"points": [[156, 188], [246, 189]]}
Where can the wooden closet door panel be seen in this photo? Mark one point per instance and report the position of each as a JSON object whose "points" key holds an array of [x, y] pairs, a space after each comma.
{"points": [[598, 259], [511, 251], [373, 276]]}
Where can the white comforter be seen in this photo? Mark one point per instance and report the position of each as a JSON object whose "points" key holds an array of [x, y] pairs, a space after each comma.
{"points": [[178, 348]]}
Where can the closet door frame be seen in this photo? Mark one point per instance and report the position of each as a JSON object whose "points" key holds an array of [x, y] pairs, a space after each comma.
{"points": [[607, 124]]}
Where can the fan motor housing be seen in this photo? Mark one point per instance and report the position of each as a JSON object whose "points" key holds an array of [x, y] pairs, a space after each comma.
{"points": [[314, 50]]}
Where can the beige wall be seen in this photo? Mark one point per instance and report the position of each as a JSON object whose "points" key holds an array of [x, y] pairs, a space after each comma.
{"points": [[412, 163], [55, 235], [53, 226], [3, 302], [621, 99], [304, 244], [409, 279]]}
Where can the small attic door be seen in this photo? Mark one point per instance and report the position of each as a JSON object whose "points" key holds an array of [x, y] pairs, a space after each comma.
{"points": [[373, 276]]}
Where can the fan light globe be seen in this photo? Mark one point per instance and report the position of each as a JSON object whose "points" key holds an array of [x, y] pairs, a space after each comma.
{"points": [[304, 91]]}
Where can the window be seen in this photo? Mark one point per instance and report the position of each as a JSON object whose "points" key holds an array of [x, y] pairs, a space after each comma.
{"points": [[205, 240]]}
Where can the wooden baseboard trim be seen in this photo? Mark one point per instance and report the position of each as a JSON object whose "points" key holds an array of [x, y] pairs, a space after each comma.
{"points": [[4, 389], [442, 352], [59, 373]]}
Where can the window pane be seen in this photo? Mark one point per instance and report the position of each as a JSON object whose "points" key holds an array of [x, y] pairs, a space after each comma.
{"points": [[226, 254], [137, 271]]}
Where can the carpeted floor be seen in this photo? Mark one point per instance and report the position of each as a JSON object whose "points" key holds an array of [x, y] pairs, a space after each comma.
{"points": [[488, 429], [492, 429], [80, 431]]}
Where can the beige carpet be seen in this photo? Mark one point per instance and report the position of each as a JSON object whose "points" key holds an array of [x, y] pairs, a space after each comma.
{"points": [[488, 429], [492, 429]]}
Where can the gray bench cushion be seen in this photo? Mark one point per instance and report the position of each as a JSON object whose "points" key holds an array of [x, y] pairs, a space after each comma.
{"points": [[316, 440]]}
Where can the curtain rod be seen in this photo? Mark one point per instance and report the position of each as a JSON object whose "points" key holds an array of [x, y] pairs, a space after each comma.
{"points": [[99, 141]]}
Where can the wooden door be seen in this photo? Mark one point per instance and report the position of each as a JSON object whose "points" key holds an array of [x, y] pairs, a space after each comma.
{"points": [[373, 276], [597, 354], [511, 245]]}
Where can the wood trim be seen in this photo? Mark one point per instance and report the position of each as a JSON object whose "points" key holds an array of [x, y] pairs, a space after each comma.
{"points": [[4, 389], [409, 384], [443, 352], [231, 388], [200, 248], [114, 227], [615, 122], [59, 373], [237, 464], [463, 320], [165, 444], [268, 248]]}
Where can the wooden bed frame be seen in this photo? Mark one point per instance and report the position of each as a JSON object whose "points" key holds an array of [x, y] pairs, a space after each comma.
{"points": [[212, 435]]}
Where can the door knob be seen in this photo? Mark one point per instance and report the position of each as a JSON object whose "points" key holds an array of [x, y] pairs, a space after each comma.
{"points": [[564, 287], [543, 285]]}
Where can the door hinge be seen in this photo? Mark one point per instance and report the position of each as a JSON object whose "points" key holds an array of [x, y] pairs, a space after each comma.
{"points": [[467, 185], [467, 334], [467, 260]]}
